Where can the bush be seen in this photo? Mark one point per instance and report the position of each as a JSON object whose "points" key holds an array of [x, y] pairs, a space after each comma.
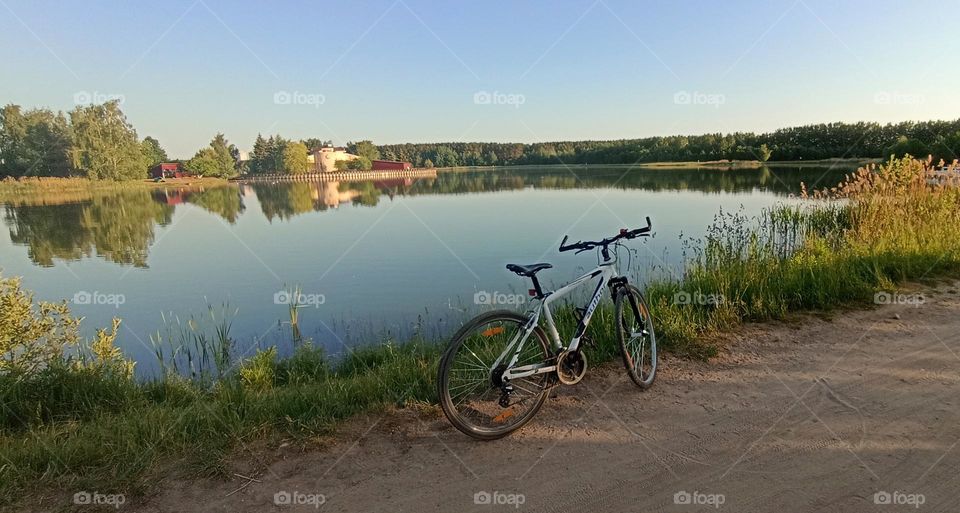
{"points": [[32, 337], [258, 373]]}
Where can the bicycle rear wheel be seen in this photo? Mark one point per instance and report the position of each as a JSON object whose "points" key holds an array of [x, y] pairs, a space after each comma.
{"points": [[471, 390], [638, 341]]}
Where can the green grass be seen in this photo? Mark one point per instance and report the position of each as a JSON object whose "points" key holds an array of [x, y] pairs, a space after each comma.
{"points": [[73, 427]]}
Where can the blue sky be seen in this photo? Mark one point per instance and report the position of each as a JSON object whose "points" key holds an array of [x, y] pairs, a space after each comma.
{"points": [[415, 71]]}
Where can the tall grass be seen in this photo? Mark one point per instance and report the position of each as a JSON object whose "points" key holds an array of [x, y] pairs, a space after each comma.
{"points": [[91, 426], [881, 226], [186, 347]]}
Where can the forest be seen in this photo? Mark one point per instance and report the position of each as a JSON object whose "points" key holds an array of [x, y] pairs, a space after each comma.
{"points": [[97, 142]]}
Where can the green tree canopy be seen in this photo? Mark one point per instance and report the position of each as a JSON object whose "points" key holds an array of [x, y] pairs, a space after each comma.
{"points": [[105, 145], [443, 156], [295, 158], [764, 153], [217, 159], [314, 143], [364, 149], [153, 153], [908, 146], [34, 143], [360, 163]]}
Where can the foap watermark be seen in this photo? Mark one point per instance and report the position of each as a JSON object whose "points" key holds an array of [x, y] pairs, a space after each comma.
{"points": [[698, 498], [897, 98], [697, 298], [898, 498], [98, 298], [96, 97], [699, 98], [496, 498], [498, 98], [298, 298], [84, 498], [295, 498], [894, 298], [497, 298], [299, 98]]}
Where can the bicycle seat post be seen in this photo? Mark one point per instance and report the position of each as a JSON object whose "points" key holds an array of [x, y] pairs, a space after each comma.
{"points": [[536, 286]]}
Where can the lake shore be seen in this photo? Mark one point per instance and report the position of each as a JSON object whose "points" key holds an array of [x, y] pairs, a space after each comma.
{"points": [[716, 165], [794, 259], [824, 399], [11, 187]]}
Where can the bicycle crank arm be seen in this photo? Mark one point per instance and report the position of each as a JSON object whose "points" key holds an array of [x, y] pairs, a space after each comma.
{"points": [[529, 370]]}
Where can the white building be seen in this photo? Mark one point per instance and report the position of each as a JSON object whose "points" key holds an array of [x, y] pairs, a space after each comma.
{"points": [[325, 159]]}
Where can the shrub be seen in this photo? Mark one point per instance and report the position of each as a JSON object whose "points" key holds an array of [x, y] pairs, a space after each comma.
{"points": [[258, 373]]}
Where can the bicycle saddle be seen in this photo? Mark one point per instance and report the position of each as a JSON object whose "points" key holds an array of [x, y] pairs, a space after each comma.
{"points": [[528, 270]]}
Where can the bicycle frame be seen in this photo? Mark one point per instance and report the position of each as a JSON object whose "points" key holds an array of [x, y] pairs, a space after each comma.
{"points": [[607, 273]]}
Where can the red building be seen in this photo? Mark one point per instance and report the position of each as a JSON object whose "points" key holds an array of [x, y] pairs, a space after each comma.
{"points": [[391, 165], [166, 170]]}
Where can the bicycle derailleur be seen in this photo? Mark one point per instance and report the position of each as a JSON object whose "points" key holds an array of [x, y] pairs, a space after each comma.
{"points": [[506, 389]]}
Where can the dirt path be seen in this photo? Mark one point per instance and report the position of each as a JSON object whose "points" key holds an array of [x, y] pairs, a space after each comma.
{"points": [[808, 416]]}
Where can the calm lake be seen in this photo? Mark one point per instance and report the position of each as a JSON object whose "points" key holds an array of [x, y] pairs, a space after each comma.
{"points": [[371, 259]]}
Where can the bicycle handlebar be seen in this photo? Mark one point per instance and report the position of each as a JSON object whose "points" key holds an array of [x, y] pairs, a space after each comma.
{"points": [[624, 234]]}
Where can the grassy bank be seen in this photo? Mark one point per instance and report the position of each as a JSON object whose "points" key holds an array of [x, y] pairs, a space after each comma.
{"points": [[72, 423], [11, 188]]}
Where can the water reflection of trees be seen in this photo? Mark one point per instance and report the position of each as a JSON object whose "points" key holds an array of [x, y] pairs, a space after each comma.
{"points": [[285, 200], [117, 226], [778, 180], [226, 202]]}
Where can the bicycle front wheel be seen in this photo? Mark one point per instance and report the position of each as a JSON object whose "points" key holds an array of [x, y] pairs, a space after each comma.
{"points": [[471, 389], [638, 340]]}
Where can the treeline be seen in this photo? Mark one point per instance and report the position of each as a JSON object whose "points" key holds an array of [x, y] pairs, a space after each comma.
{"points": [[832, 140], [96, 142]]}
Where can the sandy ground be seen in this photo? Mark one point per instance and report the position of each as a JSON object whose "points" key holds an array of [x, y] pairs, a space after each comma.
{"points": [[811, 415]]}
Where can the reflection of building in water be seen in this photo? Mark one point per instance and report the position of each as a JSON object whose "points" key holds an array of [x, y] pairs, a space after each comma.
{"points": [[392, 185], [173, 196], [325, 159], [331, 195]]}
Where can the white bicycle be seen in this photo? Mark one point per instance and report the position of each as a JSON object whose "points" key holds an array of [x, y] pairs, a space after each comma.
{"points": [[499, 368]]}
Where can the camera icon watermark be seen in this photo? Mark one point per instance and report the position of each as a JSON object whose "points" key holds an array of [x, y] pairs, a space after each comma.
{"points": [[699, 98], [697, 498], [298, 298], [893, 298], [496, 498], [897, 98], [299, 98], [898, 498], [698, 298], [96, 97], [497, 298], [83, 297], [295, 498], [498, 98], [84, 498]]}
